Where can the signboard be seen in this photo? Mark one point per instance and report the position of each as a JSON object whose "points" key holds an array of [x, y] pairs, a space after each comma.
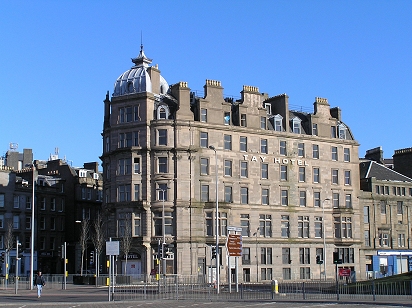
{"points": [[234, 245], [112, 248], [344, 272]]}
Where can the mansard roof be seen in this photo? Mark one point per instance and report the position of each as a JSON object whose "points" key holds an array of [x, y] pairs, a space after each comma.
{"points": [[372, 169]]}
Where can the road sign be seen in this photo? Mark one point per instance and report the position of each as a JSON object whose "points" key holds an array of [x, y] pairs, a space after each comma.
{"points": [[112, 248], [234, 245], [344, 272]]}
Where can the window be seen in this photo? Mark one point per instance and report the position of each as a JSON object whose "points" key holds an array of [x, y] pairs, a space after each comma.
{"points": [[28, 223], [162, 112], [136, 165], [348, 201], [245, 255], [401, 240], [226, 118], [222, 224], [228, 194], [366, 214], [43, 201], [124, 166], [244, 195], [304, 255], [303, 226], [383, 238], [61, 206], [316, 175], [136, 142], [243, 144], [162, 164], [316, 199], [136, 192], [137, 224], [286, 274], [53, 203], [383, 207], [16, 222], [318, 227], [1, 221], [228, 142], [125, 114], [136, 110], [265, 255], [301, 149], [335, 200], [52, 223], [268, 108], [1, 200], [315, 151], [16, 202], [124, 193], [284, 197], [296, 125], [302, 175], [286, 256], [346, 154], [282, 147], [278, 123], [342, 131], [263, 146], [333, 131], [265, 225], [228, 167], [314, 129], [264, 170], [162, 137], [366, 235], [203, 115], [243, 120], [284, 226], [204, 166], [304, 273], [302, 198], [245, 224], [335, 176], [347, 177], [343, 227], [334, 153], [243, 169], [42, 243], [107, 144], [265, 196], [263, 122], [399, 207], [162, 192], [204, 142], [209, 223], [283, 172], [204, 197], [42, 223]]}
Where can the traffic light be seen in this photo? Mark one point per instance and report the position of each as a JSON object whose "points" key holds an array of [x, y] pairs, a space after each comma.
{"points": [[160, 251], [318, 260], [91, 257], [336, 259], [3, 257], [213, 252], [20, 255]]}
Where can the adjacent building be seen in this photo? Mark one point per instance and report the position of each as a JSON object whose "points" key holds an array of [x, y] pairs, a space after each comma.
{"points": [[288, 179]]}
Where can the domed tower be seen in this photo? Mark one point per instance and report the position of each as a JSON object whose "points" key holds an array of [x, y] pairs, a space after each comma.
{"points": [[137, 162]]}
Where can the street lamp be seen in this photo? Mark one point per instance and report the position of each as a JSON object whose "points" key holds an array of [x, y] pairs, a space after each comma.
{"points": [[163, 190], [32, 230], [324, 236], [217, 223], [257, 259]]}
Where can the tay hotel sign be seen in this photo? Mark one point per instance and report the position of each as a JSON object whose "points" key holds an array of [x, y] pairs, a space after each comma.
{"points": [[276, 160]]}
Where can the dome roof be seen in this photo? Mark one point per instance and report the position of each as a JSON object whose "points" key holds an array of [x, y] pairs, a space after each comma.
{"points": [[137, 79]]}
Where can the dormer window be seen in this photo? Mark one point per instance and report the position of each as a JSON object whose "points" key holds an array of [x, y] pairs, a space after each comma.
{"points": [[227, 118], [277, 119], [268, 108], [342, 131], [162, 112], [296, 125]]}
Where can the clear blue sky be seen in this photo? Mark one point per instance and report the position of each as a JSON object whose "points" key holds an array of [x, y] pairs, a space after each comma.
{"points": [[58, 59]]}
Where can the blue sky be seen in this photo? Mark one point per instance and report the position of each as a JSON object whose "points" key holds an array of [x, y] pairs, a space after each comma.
{"points": [[58, 59]]}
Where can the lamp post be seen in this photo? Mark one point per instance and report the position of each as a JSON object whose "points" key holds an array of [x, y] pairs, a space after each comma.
{"points": [[324, 236], [32, 230], [257, 259], [163, 190], [217, 223]]}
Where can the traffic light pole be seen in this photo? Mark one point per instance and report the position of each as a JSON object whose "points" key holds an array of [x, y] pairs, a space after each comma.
{"points": [[16, 278], [65, 266]]}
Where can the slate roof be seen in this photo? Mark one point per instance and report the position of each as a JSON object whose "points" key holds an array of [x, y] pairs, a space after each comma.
{"points": [[369, 169]]}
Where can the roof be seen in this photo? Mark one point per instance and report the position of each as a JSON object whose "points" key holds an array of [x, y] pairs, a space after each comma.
{"points": [[372, 169]]}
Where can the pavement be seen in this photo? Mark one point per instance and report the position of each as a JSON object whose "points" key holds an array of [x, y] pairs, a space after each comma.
{"points": [[94, 297]]}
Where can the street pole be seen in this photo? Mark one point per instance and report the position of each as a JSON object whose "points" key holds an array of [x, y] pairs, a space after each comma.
{"points": [[16, 278], [65, 264], [257, 259], [163, 190], [32, 230], [324, 236], [217, 224]]}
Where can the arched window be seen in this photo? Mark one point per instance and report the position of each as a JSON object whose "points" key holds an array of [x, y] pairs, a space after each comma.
{"points": [[162, 112]]}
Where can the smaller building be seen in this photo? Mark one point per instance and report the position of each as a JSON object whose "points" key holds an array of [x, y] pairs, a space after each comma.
{"points": [[386, 199]]}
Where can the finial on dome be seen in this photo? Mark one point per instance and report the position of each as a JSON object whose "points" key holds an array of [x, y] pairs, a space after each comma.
{"points": [[141, 59]]}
